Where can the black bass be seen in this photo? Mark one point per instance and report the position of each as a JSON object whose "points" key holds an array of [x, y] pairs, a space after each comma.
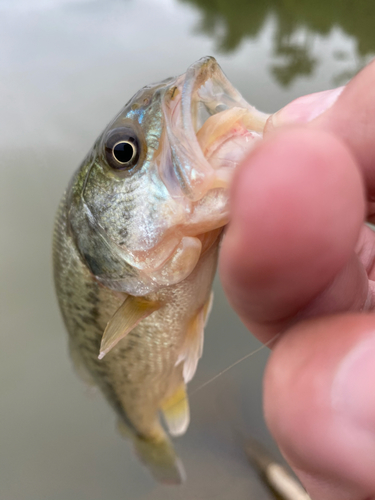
{"points": [[135, 248]]}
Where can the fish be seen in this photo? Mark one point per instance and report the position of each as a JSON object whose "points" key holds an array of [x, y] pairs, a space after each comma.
{"points": [[135, 249]]}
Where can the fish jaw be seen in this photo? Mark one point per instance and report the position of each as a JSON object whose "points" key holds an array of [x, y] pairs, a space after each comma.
{"points": [[203, 111]]}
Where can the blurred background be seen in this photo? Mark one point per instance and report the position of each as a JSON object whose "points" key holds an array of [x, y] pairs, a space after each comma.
{"points": [[66, 68]]}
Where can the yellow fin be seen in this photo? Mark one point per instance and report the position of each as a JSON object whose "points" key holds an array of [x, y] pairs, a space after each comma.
{"points": [[192, 348], [176, 411], [127, 316], [158, 455], [161, 460]]}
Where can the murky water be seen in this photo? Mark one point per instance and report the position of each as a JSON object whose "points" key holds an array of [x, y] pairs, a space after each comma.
{"points": [[66, 67]]}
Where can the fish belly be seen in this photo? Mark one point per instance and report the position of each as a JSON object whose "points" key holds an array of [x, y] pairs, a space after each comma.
{"points": [[140, 372]]}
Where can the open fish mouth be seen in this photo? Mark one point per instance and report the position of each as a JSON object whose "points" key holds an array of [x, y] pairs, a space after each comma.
{"points": [[210, 127], [199, 128]]}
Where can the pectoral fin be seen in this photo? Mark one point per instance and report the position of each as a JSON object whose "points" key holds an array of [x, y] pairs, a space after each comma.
{"points": [[176, 411], [127, 316]]}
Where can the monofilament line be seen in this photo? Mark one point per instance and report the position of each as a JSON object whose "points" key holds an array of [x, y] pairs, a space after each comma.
{"points": [[234, 364]]}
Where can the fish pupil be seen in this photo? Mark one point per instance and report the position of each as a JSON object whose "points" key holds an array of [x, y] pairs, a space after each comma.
{"points": [[123, 151]]}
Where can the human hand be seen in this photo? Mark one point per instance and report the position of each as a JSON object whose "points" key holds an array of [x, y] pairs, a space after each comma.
{"points": [[298, 259]]}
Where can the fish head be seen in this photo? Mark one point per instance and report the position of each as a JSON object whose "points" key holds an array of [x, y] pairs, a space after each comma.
{"points": [[153, 193]]}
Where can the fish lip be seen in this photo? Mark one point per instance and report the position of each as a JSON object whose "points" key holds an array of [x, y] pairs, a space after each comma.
{"points": [[190, 174], [204, 87]]}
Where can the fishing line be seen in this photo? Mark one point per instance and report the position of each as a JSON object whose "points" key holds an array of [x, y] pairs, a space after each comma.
{"points": [[252, 353], [218, 375], [266, 344]]}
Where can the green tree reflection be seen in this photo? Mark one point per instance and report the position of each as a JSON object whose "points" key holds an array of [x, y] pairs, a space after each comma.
{"points": [[230, 22]]}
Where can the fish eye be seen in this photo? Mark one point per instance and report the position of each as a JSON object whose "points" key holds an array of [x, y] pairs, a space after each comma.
{"points": [[122, 149]]}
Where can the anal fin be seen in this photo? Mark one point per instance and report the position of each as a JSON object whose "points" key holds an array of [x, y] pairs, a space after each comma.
{"points": [[192, 347], [207, 308], [127, 316], [176, 411]]}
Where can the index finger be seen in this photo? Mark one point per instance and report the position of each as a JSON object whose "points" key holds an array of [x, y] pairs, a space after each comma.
{"points": [[347, 112], [352, 118]]}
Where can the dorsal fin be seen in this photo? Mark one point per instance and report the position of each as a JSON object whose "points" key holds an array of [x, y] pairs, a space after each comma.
{"points": [[127, 316]]}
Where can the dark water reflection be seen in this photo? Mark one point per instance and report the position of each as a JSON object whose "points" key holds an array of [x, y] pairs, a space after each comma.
{"points": [[296, 24]]}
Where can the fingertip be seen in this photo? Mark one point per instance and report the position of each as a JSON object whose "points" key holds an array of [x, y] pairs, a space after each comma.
{"points": [[303, 109], [351, 118], [319, 405], [297, 207]]}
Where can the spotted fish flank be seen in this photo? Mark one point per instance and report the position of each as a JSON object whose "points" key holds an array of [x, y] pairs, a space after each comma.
{"points": [[135, 249]]}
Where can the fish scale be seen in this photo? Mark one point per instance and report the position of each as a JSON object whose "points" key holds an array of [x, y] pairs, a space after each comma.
{"points": [[136, 245]]}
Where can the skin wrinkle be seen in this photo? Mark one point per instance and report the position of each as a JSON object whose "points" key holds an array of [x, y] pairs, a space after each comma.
{"points": [[366, 250], [326, 301]]}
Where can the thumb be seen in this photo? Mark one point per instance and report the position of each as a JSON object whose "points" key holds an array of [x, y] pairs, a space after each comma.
{"points": [[320, 406], [304, 109]]}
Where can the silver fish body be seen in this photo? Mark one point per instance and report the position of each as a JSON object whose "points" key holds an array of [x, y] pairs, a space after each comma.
{"points": [[135, 248]]}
